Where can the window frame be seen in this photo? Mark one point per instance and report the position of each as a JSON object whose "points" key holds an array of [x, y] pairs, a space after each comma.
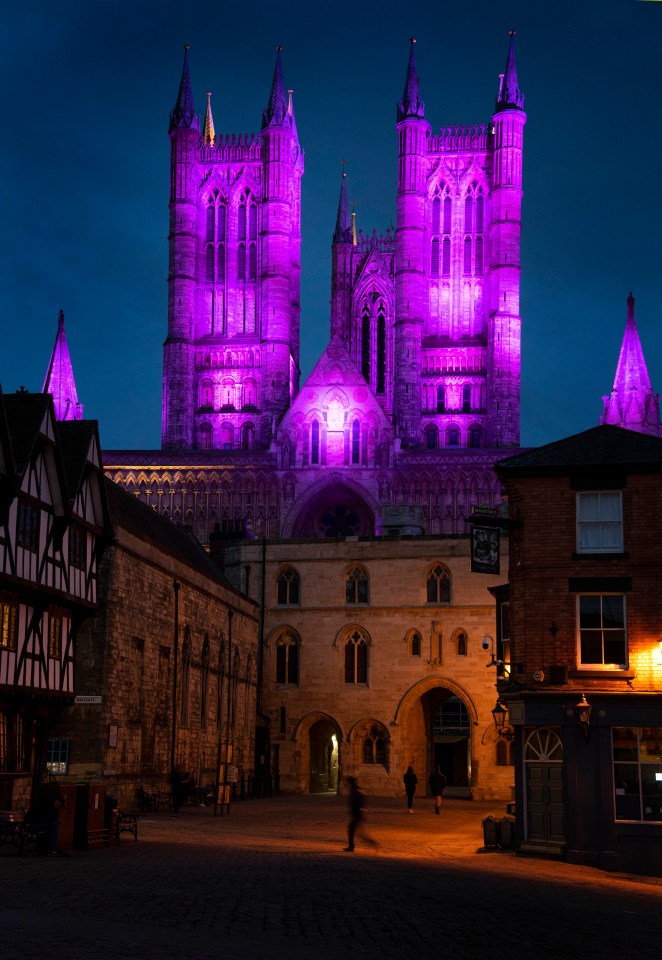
{"points": [[290, 578], [357, 578], [655, 800], [601, 522], [9, 610], [607, 665], [287, 659]]}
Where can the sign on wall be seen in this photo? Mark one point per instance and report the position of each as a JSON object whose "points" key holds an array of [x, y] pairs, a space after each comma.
{"points": [[485, 549]]}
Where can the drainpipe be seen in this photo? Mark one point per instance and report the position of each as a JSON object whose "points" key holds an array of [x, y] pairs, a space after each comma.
{"points": [[175, 587]]}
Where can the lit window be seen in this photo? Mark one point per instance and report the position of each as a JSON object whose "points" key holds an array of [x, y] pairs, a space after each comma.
{"points": [[600, 522], [8, 624], [637, 755], [54, 636], [57, 756], [602, 633]]}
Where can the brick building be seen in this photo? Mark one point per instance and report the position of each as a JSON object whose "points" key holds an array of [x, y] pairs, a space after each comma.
{"points": [[585, 609]]}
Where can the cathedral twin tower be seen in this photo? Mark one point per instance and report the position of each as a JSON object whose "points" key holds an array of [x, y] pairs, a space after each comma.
{"points": [[425, 326]]}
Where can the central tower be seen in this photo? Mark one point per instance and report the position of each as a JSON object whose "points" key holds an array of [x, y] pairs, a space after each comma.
{"points": [[231, 357]]}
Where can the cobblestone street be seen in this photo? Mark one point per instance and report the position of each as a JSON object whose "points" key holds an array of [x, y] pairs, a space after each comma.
{"points": [[271, 880]]}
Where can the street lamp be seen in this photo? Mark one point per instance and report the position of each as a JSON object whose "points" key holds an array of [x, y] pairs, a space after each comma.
{"points": [[499, 714], [583, 708]]}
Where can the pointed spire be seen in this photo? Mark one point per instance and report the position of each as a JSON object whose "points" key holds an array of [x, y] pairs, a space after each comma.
{"points": [[632, 403], [184, 114], [509, 92], [60, 378], [208, 132], [342, 232], [276, 113], [411, 104]]}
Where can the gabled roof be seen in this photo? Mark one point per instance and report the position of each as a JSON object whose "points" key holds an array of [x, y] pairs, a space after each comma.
{"points": [[335, 376], [148, 525], [25, 416], [601, 447], [77, 437]]}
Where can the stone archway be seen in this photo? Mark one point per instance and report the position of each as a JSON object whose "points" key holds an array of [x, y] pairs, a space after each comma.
{"points": [[324, 757], [437, 718]]}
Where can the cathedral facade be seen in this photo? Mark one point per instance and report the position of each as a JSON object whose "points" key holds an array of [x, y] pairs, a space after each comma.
{"points": [[417, 392]]}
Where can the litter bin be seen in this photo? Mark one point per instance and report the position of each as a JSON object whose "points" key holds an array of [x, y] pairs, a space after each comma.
{"points": [[491, 832]]}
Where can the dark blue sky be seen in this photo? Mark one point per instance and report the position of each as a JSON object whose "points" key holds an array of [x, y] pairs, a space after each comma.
{"points": [[84, 165]]}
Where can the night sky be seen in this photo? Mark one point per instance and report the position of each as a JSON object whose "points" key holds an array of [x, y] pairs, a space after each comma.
{"points": [[87, 89]]}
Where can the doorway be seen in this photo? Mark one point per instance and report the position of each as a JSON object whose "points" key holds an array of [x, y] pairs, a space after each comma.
{"points": [[323, 758], [448, 733], [543, 763]]}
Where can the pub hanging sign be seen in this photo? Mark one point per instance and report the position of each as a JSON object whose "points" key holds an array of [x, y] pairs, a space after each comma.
{"points": [[485, 549]]}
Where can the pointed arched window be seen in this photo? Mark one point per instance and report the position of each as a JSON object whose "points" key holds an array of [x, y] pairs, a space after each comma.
{"points": [[448, 214], [241, 262], [315, 442], [209, 263], [434, 258], [357, 586], [220, 224], [241, 222], [252, 261], [209, 235], [220, 262], [467, 257], [381, 349], [287, 659], [365, 345], [252, 222], [438, 585], [288, 587], [356, 658], [436, 211], [356, 442], [479, 257], [446, 257]]}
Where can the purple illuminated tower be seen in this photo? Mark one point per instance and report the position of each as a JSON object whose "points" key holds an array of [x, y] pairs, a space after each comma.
{"points": [[59, 378], [231, 357], [431, 315], [632, 404]]}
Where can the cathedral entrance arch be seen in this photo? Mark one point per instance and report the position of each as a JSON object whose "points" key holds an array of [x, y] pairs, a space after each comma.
{"points": [[438, 717], [335, 511]]}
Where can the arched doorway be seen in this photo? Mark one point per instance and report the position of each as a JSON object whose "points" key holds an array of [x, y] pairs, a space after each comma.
{"points": [[543, 764], [323, 757], [448, 734]]}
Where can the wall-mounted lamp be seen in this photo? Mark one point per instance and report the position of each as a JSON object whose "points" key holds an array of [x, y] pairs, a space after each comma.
{"points": [[583, 709], [499, 714]]}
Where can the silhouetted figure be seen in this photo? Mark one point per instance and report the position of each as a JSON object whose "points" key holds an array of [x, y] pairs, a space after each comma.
{"points": [[437, 785], [410, 781]]}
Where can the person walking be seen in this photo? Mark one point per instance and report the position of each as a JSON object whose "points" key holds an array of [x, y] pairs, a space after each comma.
{"points": [[437, 785], [357, 805], [410, 781]]}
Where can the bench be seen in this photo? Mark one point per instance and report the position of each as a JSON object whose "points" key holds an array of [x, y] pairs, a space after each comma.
{"points": [[14, 832], [126, 823]]}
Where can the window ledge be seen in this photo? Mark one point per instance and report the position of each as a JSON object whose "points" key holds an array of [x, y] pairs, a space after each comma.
{"points": [[600, 555], [601, 674]]}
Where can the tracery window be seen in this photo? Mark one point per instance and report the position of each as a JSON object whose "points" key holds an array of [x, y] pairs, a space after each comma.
{"points": [[356, 442], [356, 658], [315, 442], [357, 586], [374, 747], [289, 584], [438, 585], [287, 659]]}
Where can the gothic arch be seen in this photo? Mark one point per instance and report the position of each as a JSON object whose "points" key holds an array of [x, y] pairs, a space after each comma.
{"points": [[327, 490], [302, 728], [414, 694]]}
